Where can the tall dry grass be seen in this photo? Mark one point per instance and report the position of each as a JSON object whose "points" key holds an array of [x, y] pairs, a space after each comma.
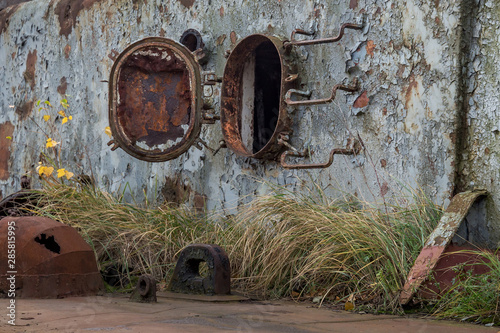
{"points": [[279, 245]]}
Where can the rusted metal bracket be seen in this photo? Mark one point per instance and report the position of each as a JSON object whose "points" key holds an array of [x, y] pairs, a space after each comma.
{"points": [[210, 118], [356, 148], [114, 144], [222, 144], [288, 97], [210, 79], [145, 290], [187, 279], [294, 42]]}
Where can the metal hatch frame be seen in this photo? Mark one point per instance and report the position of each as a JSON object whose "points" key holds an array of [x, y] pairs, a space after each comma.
{"points": [[231, 96]]}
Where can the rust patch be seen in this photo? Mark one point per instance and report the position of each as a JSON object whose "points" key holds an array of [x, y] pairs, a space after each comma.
{"points": [[401, 70], [155, 97], [413, 85], [24, 110], [353, 4], [383, 163], [5, 17], [362, 100], [233, 37], [29, 73], [384, 189], [67, 50], [67, 12], [176, 192], [6, 129], [63, 86], [370, 46], [187, 3]]}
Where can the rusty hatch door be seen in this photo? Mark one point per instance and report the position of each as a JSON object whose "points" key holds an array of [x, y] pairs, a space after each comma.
{"points": [[155, 100]]}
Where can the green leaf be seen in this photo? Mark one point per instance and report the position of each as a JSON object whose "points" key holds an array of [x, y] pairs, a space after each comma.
{"points": [[38, 102]]}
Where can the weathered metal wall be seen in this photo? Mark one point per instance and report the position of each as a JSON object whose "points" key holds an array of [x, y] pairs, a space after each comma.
{"points": [[428, 86]]}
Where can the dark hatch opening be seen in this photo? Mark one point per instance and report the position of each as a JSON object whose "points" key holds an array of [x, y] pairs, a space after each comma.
{"points": [[267, 91]]}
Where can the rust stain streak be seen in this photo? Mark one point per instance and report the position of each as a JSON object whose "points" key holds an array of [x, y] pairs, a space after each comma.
{"points": [[24, 110], [29, 73], [68, 11], [187, 3], [61, 89]]}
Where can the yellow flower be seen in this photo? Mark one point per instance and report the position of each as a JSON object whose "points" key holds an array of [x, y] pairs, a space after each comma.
{"points": [[44, 171], [63, 172], [51, 143], [107, 130], [46, 117]]}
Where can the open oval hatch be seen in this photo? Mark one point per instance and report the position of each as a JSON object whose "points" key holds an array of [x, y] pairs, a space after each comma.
{"points": [[253, 110]]}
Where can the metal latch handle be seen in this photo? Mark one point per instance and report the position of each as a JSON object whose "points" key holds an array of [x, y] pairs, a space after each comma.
{"points": [[336, 151], [344, 26], [289, 93]]}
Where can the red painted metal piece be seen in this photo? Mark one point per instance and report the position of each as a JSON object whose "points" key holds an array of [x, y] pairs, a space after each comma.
{"points": [[51, 260], [445, 271], [437, 244]]}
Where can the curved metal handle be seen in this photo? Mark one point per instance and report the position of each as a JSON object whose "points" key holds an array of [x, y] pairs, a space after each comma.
{"points": [[337, 151], [289, 93], [344, 26]]}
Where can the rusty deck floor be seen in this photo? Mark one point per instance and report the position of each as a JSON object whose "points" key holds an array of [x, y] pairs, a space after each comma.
{"points": [[116, 314]]}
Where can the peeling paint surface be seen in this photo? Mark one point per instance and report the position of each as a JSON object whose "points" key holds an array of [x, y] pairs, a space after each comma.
{"points": [[407, 59]]}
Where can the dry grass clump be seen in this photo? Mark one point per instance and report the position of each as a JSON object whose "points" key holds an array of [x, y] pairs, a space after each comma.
{"points": [[279, 245], [286, 244], [125, 235]]}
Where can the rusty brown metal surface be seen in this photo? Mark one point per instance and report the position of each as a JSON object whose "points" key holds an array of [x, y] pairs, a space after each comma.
{"points": [[232, 95], [155, 100], [438, 241], [295, 42], [187, 278], [51, 260]]}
